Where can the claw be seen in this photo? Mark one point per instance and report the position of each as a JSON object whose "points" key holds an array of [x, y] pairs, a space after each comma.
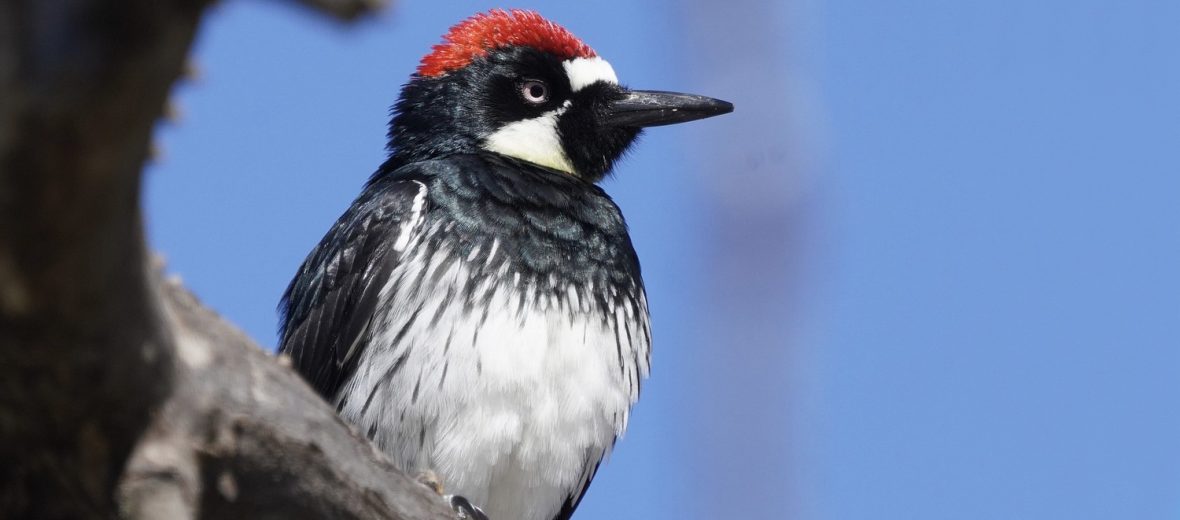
{"points": [[464, 508]]}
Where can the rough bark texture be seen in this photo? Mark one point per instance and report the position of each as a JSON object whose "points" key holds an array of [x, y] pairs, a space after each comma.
{"points": [[120, 395]]}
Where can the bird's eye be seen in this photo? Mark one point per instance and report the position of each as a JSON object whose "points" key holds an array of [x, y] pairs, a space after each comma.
{"points": [[534, 91]]}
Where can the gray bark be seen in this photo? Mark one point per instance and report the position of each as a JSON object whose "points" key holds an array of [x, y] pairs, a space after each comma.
{"points": [[120, 395]]}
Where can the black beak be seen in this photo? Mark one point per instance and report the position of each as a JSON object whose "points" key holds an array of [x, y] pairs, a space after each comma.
{"points": [[642, 108]]}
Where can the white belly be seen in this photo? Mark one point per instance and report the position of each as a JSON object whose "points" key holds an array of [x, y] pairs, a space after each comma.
{"points": [[512, 410]]}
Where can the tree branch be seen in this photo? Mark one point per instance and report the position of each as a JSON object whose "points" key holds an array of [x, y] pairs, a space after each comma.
{"points": [[119, 394], [266, 445], [345, 9]]}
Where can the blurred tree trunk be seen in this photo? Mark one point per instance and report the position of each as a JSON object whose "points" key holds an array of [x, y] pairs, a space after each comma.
{"points": [[754, 175], [120, 395]]}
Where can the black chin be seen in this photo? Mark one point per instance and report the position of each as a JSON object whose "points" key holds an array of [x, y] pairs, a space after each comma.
{"points": [[591, 144], [605, 119]]}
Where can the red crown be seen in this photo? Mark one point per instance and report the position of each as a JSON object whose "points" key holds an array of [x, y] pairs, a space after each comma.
{"points": [[484, 32]]}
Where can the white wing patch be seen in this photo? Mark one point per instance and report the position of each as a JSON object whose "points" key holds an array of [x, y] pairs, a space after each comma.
{"points": [[586, 71], [408, 226], [534, 140]]}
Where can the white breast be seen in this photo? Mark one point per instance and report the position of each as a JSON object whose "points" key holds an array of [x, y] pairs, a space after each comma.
{"points": [[512, 404]]}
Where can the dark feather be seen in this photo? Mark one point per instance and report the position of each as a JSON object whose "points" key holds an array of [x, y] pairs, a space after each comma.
{"points": [[571, 502], [330, 302]]}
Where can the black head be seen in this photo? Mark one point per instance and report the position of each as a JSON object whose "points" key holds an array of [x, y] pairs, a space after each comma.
{"points": [[540, 96]]}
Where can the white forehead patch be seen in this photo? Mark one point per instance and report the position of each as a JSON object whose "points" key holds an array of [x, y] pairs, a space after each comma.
{"points": [[584, 71], [534, 140]]}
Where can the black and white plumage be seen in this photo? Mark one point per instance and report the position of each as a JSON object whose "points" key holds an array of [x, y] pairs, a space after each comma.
{"points": [[479, 311], [481, 340]]}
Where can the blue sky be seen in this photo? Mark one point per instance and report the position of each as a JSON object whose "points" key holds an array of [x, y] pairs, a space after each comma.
{"points": [[977, 311], [1002, 305]]}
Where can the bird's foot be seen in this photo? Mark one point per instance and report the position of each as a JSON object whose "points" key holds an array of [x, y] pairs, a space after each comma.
{"points": [[430, 479], [464, 508]]}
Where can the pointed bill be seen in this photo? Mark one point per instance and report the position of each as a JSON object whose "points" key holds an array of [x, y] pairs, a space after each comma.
{"points": [[644, 108]]}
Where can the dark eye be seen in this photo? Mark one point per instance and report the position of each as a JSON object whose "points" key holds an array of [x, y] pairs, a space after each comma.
{"points": [[534, 91]]}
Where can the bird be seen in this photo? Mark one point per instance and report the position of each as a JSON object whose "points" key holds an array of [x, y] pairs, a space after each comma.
{"points": [[478, 311]]}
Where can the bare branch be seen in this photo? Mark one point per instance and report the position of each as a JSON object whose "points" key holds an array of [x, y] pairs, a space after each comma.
{"points": [[267, 445], [345, 9]]}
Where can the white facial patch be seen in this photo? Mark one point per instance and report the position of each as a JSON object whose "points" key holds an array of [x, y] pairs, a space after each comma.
{"points": [[534, 140], [585, 71]]}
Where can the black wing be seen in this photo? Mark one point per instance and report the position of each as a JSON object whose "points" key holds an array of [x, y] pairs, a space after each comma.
{"points": [[326, 311], [572, 501]]}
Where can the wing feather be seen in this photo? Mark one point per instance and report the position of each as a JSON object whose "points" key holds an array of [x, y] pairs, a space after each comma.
{"points": [[572, 501], [326, 310]]}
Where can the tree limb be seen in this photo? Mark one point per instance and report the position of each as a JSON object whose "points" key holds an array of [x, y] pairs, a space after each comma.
{"points": [[119, 394], [345, 9], [265, 444]]}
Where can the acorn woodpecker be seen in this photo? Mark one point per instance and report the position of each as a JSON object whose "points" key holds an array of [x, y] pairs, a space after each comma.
{"points": [[478, 311]]}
